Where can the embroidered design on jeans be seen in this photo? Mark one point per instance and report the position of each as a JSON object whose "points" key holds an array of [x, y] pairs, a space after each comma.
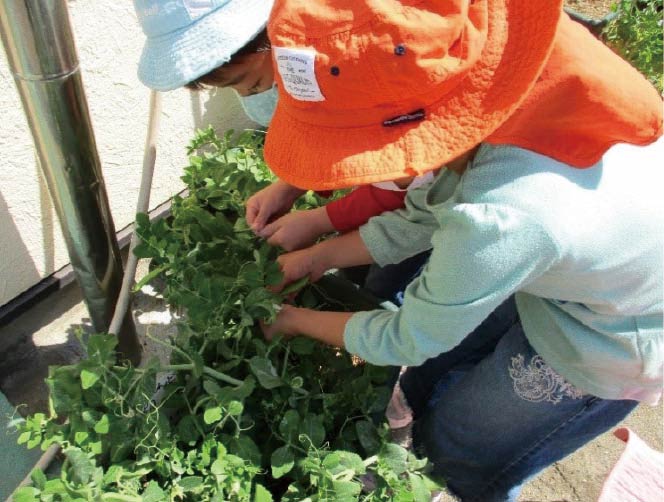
{"points": [[538, 382]]}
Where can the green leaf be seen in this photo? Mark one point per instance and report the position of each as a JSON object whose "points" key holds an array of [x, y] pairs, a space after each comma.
{"points": [[101, 348], [418, 488], [95, 447], [303, 346], [26, 494], [368, 436], [346, 490], [289, 425], [261, 494], [273, 274], [224, 395], [89, 378], [142, 220], [54, 486], [212, 415], [113, 474], [253, 276], [416, 464], [149, 276], [102, 426], [82, 467], [244, 447], [282, 462], [211, 387], [144, 250], [313, 428], [153, 493], [38, 478], [24, 437], [265, 372], [80, 437], [295, 286], [218, 467], [65, 393], [339, 461], [191, 483], [394, 457], [34, 442], [235, 408], [187, 430]]}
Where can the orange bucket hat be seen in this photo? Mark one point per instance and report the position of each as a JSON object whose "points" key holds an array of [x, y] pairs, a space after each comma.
{"points": [[373, 90]]}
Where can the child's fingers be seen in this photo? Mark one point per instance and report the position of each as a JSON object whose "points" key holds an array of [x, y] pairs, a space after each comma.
{"points": [[269, 230], [268, 330], [259, 221], [251, 214]]}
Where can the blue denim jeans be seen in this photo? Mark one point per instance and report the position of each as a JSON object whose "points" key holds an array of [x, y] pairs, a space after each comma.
{"points": [[491, 414], [390, 281]]}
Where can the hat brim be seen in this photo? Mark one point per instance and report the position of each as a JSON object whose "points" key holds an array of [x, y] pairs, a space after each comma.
{"points": [[173, 60], [322, 158]]}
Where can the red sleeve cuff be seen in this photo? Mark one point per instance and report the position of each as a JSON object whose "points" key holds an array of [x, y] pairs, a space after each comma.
{"points": [[355, 209]]}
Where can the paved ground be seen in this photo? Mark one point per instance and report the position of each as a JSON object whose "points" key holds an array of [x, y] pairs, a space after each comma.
{"points": [[46, 335]]}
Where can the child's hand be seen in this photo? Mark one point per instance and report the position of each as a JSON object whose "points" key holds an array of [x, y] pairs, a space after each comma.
{"points": [[302, 263], [283, 325], [298, 229], [273, 200]]}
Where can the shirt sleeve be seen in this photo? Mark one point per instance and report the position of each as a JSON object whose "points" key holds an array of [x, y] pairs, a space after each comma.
{"points": [[482, 254], [396, 235], [355, 209]]}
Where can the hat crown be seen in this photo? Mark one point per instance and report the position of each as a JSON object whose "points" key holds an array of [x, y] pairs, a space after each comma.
{"points": [[382, 57], [159, 17]]}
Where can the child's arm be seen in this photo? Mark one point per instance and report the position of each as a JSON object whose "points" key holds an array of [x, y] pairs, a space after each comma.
{"points": [[356, 208], [347, 250], [300, 229], [480, 258], [326, 327]]}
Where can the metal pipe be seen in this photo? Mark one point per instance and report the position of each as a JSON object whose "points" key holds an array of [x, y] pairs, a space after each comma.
{"points": [[42, 57]]}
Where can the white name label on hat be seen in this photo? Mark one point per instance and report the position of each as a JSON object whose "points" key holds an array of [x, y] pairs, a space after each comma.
{"points": [[296, 67]]}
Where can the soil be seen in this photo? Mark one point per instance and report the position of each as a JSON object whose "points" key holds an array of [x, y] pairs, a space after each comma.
{"points": [[594, 9]]}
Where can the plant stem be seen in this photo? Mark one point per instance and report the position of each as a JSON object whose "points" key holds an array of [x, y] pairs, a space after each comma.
{"points": [[119, 496], [178, 367], [371, 460], [285, 363], [221, 376], [172, 347]]}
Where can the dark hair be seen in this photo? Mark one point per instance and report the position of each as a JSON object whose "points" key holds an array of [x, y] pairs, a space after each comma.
{"points": [[259, 43]]}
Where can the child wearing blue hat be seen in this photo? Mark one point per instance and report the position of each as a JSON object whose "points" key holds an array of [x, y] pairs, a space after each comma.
{"points": [[224, 43]]}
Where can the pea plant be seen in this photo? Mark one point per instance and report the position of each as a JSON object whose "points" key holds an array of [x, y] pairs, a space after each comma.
{"points": [[240, 419], [636, 34]]}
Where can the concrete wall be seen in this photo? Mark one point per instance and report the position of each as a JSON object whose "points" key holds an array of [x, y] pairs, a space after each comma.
{"points": [[109, 42]]}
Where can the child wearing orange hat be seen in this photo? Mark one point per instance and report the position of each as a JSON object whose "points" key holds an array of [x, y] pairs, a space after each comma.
{"points": [[225, 44], [536, 325]]}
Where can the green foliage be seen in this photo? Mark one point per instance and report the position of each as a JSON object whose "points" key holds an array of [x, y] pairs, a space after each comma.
{"points": [[636, 34], [242, 419]]}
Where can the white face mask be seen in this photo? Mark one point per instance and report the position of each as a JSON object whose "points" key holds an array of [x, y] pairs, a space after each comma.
{"points": [[260, 107]]}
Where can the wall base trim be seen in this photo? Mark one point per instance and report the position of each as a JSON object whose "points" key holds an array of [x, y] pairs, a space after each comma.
{"points": [[65, 276]]}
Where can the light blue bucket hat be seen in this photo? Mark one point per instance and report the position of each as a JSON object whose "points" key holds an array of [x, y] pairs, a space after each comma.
{"points": [[189, 38]]}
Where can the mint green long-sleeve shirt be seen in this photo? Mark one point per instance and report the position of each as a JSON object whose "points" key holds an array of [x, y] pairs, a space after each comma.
{"points": [[582, 250]]}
